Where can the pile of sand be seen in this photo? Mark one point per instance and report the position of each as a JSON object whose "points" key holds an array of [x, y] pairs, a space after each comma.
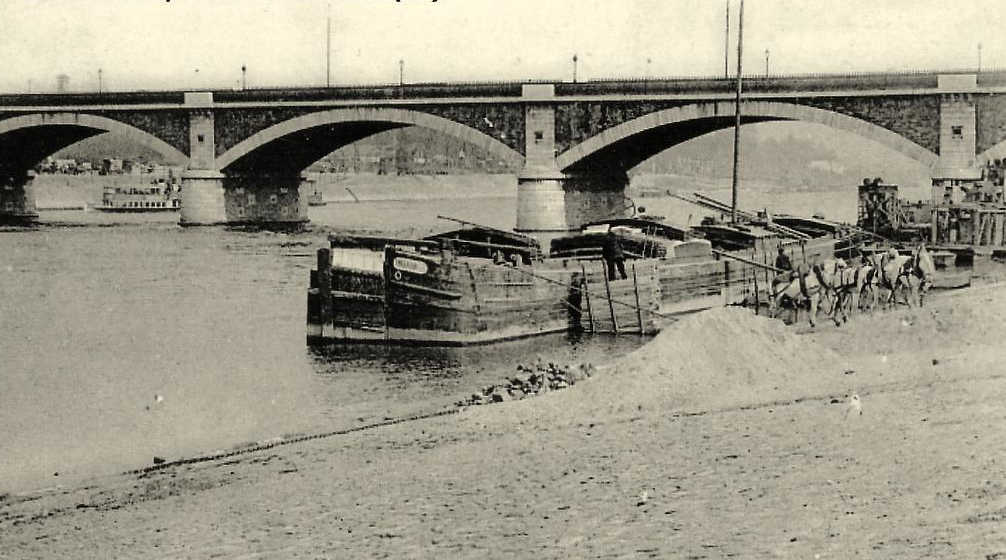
{"points": [[719, 358]]}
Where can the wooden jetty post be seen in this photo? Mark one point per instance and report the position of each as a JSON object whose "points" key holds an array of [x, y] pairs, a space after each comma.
{"points": [[635, 288], [611, 306], [324, 276], [586, 298]]}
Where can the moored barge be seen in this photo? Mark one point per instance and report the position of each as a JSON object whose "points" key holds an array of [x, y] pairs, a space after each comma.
{"points": [[479, 285], [467, 287]]}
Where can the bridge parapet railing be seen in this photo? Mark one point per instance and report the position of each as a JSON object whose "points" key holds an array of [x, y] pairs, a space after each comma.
{"points": [[904, 80], [385, 91], [93, 98], [921, 79]]}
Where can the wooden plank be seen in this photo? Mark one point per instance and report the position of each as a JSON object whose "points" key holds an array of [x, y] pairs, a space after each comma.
{"points": [[586, 296], [324, 287], [611, 305], [933, 227], [635, 288]]}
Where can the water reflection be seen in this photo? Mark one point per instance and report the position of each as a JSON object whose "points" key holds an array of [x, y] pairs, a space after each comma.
{"points": [[442, 375]]}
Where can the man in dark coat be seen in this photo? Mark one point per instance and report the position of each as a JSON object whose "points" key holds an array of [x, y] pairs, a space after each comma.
{"points": [[785, 266], [613, 256], [782, 261]]}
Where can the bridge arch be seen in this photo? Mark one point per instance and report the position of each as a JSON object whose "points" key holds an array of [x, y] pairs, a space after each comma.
{"points": [[995, 152], [31, 145], [632, 142], [338, 127]]}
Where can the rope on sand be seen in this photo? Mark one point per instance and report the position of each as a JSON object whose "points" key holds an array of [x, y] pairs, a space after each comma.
{"points": [[276, 442]]}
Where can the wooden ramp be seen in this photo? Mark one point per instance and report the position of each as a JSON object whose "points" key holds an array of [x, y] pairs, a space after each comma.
{"points": [[619, 306]]}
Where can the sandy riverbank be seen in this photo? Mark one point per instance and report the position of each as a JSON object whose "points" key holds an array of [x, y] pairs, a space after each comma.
{"points": [[727, 436]]}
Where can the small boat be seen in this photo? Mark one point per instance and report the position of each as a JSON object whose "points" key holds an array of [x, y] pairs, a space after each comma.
{"points": [[159, 196]]}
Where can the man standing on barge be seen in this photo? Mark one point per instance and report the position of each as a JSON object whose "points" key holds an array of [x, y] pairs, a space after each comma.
{"points": [[613, 255], [785, 269], [782, 261]]}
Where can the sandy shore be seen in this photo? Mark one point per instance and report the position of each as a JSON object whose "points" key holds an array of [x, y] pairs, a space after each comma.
{"points": [[727, 436]]}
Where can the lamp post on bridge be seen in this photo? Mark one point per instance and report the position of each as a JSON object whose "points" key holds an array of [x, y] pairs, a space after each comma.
{"points": [[244, 75], [574, 67], [99, 80], [401, 72], [766, 63]]}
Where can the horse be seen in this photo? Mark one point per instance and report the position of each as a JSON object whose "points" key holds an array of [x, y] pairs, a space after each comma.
{"points": [[902, 272], [808, 286], [917, 275], [867, 293], [849, 286]]}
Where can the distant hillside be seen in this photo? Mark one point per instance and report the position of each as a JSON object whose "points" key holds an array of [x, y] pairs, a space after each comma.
{"points": [[111, 145], [807, 156]]}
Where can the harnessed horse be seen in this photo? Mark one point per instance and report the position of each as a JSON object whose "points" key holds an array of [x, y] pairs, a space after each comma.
{"points": [[808, 286], [850, 284], [900, 272]]}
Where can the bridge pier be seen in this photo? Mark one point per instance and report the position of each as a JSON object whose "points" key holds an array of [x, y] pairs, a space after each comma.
{"points": [[561, 202], [202, 198], [211, 197], [957, 166], [17, 198], [549, 200], [957, 136], [266, 199]]}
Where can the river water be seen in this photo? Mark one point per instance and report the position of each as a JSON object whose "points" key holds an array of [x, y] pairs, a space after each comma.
{"points": [[126, 337]]}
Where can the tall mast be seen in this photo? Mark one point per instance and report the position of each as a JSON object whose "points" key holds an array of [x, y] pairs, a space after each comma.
{"points": [[328, 49], [726, 45], [737, 113]]}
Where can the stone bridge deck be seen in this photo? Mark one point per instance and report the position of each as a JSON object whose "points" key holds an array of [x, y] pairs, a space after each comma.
{"points": [[572, 142]]}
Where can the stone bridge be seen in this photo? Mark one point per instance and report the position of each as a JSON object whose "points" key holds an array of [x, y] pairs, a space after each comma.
{"points": [[571, 144]]}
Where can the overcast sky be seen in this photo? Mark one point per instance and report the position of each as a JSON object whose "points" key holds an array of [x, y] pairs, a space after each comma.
{"points": [[158, 44]]}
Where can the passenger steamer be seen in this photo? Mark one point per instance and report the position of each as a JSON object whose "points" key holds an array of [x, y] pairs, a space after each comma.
{"points": [[159, 196]]}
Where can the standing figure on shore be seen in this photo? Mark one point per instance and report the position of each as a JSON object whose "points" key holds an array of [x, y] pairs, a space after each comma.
{"points": [[613, 256]]}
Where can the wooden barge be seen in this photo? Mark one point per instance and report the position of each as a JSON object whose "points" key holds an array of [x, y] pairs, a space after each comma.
{"points": [[479, 285], [705, 266], [466, 287]]}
